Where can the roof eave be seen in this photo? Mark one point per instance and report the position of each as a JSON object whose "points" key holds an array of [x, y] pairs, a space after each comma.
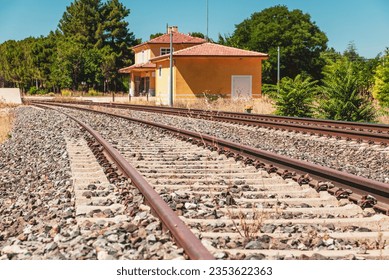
{"points": [[224, 56], [136, 69], [166, 57]]}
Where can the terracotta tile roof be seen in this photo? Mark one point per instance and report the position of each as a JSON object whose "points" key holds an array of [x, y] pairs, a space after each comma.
{"points": [[178, 38], [138, 66], [212, 50]]}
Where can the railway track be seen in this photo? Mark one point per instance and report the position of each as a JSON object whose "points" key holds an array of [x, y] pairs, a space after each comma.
{"points": [[366, 132], [245, 209]]}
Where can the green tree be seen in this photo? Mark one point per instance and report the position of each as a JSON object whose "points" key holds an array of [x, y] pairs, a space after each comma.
{"points": [[381, 81], [294, 97], [115, 40], [300, 40], [101, 44], [91, 43], [76, 67], [80, 33], [108, 66], [341, 94], [17, 68], [155, 35], [42, 51], [81, 22], [198, 35], [364, 67]]}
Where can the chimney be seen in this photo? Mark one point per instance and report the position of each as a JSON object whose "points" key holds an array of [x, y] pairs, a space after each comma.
{"points": [[172, 29]]}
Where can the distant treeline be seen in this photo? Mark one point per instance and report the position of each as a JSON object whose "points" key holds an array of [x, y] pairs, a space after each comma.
{"points": [[91, 43], [316, 81]]}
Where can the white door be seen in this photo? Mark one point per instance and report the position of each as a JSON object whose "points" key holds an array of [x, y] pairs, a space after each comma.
{"points": [[241, 87]]}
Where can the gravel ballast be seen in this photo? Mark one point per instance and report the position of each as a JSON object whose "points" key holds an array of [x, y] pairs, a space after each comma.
{"points": [[37, 204], [370, 161]]}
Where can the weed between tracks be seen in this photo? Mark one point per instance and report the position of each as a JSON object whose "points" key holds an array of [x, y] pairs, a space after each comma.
{"points": [[248, 227]]}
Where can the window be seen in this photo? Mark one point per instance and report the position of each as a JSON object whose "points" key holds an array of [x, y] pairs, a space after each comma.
{"points": [[160, 71], [165, 51], [142, 56]]}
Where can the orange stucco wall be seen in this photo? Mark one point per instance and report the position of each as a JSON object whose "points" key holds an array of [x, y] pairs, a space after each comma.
{"points": [[194, 76], [162, 82], [213, 75]]}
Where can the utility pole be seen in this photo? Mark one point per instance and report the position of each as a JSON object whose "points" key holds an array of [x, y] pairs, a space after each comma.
{"points": [[129, 87], [207, 22], [278, 69], [171, 69]]}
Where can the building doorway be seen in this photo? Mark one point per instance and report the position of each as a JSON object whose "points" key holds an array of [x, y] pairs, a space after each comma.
{"points": [[241, 87]]}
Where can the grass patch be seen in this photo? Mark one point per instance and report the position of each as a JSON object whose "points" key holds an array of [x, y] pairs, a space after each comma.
{"points": [[60, 98]]}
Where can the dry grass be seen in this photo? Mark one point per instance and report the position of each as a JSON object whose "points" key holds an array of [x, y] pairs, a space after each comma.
{"points": [[7, 105], [249, 227], [260, 106], [143, 101], [119, 98], [383, 116], [6, 120], [60, 98], [383, 119]]}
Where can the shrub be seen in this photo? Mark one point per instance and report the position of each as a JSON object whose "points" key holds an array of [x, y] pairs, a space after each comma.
{"points": [[33, 90], [342, 99], [381, 82], [93, 92], [41, 91], [295, 96], [66, 92]]}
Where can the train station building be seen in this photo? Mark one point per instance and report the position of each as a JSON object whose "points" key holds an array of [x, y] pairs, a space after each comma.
{"points": [[198, 68]]}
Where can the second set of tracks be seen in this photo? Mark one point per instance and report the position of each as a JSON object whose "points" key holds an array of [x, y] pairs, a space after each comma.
{"points": [[244, 203], [362, 132]]}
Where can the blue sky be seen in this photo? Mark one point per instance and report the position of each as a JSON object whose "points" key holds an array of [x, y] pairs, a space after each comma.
{"points": [[364, 22]]}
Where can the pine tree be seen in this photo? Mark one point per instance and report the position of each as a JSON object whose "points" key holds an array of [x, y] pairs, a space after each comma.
{"points": [[81, 21], [115, 40]]}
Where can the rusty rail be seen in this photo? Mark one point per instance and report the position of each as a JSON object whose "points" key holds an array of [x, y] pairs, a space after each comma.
{"points": [[181, 233], [302, 171]]}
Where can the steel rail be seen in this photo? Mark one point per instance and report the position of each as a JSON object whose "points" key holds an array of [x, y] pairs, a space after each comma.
{"points": [[181, 233], [272, 118], [321, 127], [372, 133], [359, 185], [384, 128]]}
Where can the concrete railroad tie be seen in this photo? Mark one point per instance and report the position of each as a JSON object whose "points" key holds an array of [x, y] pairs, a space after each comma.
{"points": [[86, 171]]}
